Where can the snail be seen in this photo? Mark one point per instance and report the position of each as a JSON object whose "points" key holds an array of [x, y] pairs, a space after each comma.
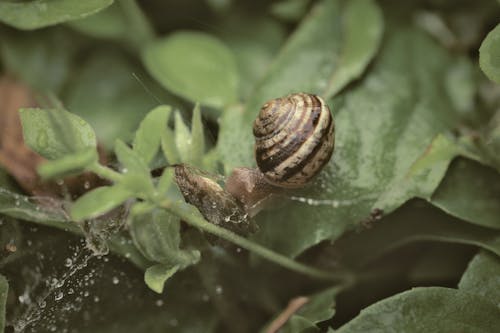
{"points": [[294, 140]]}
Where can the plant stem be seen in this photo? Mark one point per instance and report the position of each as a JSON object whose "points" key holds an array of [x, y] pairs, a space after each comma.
{"points": [[186, 214], [105, 172]]}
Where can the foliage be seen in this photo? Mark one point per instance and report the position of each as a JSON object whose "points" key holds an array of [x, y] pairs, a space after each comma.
{"points": [[127, 90]]}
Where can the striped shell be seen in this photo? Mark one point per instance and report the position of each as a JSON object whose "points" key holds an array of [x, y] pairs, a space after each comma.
{"points": [[294, 139]]}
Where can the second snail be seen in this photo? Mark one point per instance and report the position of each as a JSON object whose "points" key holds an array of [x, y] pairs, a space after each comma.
{"points": [[294, 140]]}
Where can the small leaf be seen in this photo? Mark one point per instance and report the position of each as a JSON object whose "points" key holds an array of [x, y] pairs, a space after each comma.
{"points": [[34, 14], [4, 288], [183, 139], [432, 309], [166, 180], [156, 276], [363, 26], [156, 234], [68, 164], [168, 146], [130, 159], [197, 138], [54, 133], [482, 277], [99, 201], [195, 66], [489, 55], [148, 136]]}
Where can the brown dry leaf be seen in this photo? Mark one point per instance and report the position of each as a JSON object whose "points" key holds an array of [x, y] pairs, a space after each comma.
{"points": [[17, 158]]}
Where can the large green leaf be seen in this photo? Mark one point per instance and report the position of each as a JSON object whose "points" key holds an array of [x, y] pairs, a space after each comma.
{"points": [[362, 25], [41, 59], [34, 14], [99, 201], [123, 20], [482, 277], [195, 66], [414, 222], [384, 143], [54, 133], [118, 102], [471, 192], [4, 288], [489, 55], [432, 309]]}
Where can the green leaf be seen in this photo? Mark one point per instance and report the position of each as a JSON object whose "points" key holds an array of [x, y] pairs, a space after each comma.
{"points": [[183, 139], [42, 59], [470, 191], [68, 164], [432, 309], [4, 288], [130, 159], [99, 201], [120, 96], [482, 277], [156, 276], [169, 147], [166, 180], [148, 135], [195, 66], [489, 55], [385, 127], [156, 234], [363, 25], [414, 222], [197, 138], [54, 133], [34, 14]]}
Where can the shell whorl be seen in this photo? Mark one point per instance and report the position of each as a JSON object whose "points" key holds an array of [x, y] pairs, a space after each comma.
{"points": [[294, 139]]}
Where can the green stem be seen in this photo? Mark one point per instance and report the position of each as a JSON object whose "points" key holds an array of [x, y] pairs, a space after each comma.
{"points": [[105, 172], [185, 213]]}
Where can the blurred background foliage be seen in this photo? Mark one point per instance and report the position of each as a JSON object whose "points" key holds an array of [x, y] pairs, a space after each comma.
{"points": [[418, 140]]}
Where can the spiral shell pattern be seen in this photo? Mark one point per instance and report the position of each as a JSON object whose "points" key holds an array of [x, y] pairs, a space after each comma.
{"points": [[294, 139]]}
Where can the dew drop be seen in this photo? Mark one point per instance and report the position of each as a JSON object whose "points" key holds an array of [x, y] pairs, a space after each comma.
{"points": [[68, 262], [59, 296], [159, 302], [218, 290], [115, 280]]}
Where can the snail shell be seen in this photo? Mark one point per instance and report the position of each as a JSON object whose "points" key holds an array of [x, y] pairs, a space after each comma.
{"points": [[294, 139]]}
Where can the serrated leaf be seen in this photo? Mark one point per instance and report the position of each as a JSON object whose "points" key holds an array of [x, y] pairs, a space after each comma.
{"points": [[156, 276], [34, 14], [432, 309], [470, 191], [148, 135], [55, 133], [99, 201], [68, 164], [156, 234], [362, 25], [195, 66], [482, 277], [4, 288], [489, 53]]}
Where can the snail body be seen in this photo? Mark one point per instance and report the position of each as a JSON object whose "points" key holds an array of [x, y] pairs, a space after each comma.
{"points": [[294, 139]]}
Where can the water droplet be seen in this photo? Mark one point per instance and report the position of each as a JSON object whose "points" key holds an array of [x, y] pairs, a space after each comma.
{"points": [[86, 185], [218, 290], [115, 280], [68, 262], [42, 139], [205, 298], [42, 304], [17, 203], [60, 182], [159, 302], [71, 291], [59, 296], [86, 293], [96, 299]]}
